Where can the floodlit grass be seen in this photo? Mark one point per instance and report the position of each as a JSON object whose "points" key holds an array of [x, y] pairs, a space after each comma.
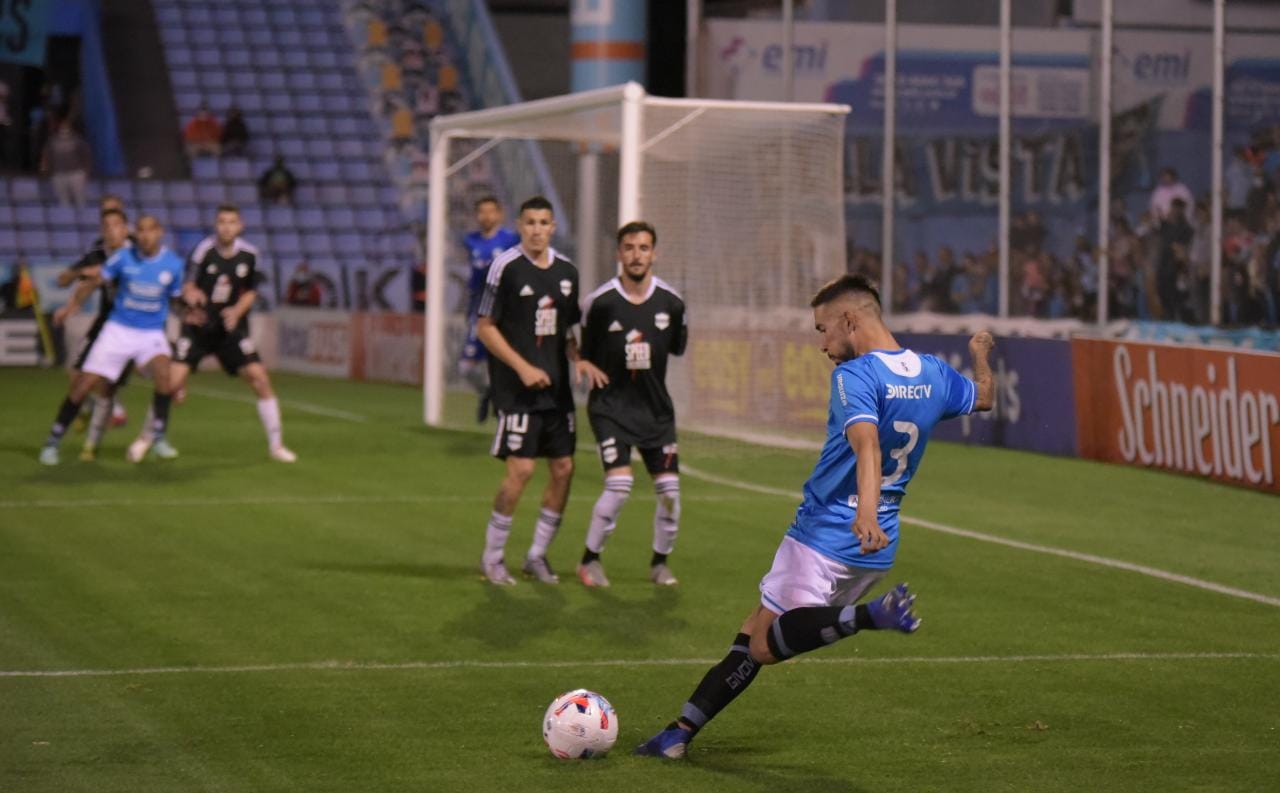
{"points": [[235, 580]]}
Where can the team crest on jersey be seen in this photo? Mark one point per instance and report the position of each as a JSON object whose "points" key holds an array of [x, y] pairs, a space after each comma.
{"points": [[526, 291], [242, 270], [566, 287], [166, 278], [211, 269], [661, 320]]}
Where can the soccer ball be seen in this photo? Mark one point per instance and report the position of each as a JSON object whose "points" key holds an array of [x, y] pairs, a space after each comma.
{"points": [[580, 724]]}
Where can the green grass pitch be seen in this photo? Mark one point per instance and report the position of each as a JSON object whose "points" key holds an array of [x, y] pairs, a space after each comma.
{"points": [[322, 627]]}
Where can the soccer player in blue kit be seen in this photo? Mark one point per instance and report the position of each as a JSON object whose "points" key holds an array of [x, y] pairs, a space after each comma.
{"points": [[482, 246], [884, 402], [148, 277]]}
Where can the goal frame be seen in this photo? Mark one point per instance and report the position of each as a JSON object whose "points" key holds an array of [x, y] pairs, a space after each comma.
{"points": [[498, 124]]}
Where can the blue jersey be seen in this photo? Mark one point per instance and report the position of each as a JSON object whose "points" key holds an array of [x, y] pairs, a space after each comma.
{"points": [[144, 287], [481, 250], [904, 394]]}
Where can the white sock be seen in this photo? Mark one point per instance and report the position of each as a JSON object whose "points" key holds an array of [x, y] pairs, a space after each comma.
{"points": [[604, 515], [544, 532], [269, 413], [666, 517], [495, 537], [148, 433], [98, 422]]}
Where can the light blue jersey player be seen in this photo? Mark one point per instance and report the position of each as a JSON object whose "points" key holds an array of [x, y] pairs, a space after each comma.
{"points": [[147, 277], [884, 402], [482, 245]]}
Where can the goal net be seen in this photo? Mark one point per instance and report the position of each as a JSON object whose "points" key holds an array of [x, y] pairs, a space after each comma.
{"points": [[747, 199]]}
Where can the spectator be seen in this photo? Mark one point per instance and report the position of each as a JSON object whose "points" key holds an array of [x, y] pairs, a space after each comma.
{"points": [[1237, 179], [1199, 256], [68, 161], [235, 134], [1166, 191], [1172, 267], [203, 134], [277, 183], [303, 289], [1086, 268]]}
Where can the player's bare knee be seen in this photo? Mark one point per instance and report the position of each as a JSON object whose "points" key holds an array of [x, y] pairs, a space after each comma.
{"points": [[519, 470], [561, 468], [759, 648]]}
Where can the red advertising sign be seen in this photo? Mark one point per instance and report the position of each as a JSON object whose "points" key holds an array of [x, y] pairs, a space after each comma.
{"points": [[1195, 410]]}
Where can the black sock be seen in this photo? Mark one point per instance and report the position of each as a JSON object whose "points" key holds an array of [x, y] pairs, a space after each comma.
{"points": [[589, 556], [721, 685], [804, 629], [658, 558], [67, 413], [160, 407]]}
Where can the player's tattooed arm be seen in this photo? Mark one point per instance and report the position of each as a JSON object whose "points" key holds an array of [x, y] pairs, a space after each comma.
{"points": [[980, 347]]}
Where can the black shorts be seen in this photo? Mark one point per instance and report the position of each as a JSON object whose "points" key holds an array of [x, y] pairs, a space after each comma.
{"points": [[86, 344], [614, 446], [233, 348], [546, 433]]}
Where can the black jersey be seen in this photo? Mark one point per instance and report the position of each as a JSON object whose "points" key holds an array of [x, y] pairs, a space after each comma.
{"points": [[223, 279], [631, 342], [96, 257], [534, 308]]}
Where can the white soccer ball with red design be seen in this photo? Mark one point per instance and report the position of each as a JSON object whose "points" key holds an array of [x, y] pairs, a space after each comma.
{"points": [[579, 725]]}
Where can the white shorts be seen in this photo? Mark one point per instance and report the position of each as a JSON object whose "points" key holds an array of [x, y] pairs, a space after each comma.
{"points": [[801, 576], [117, 344]]}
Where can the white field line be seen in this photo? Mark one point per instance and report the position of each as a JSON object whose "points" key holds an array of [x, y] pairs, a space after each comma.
{"points": [[1088, 558], [375, 666], [305, 407]]}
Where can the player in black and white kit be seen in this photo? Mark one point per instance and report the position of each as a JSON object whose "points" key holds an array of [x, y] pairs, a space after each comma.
{"points": [[529, 306], [115, 235], [632, 324], [221, 283]]}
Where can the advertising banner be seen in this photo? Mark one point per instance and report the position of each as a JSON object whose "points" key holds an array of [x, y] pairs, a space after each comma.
{"points": [[24, 28], [778, 383], [387, 347], [1201, 411], [1035, 407], [314, 341]]}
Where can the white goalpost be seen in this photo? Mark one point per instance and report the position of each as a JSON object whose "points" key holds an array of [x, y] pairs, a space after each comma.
{"points": [[748, 201]]}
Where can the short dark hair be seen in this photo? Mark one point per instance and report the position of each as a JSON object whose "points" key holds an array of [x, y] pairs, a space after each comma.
{"points": [[636, 227], [846, 284], [486, 199], [227, 206], [113, 211], [146, 215], [537, 202]]}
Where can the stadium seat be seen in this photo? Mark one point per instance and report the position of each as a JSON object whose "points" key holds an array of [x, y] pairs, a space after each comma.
{"points": [[306, 194], [219, 101], [186, 217], [254, 17], [235, 168], [8, 240], [260, 38], [64, 217], [295, 59], [226, 17], [66, 244], [332, 82], [310, 218], [29, 216], [315, 125], [287, 244], [333, 194], [24, 188], [324, 59], [291, 148], [271, 81], [251, 102], [348, 244], [34, 242], [183, 79], [207, 57], [265, 59], [278, 216], [209, 192], [242, 193], [303, 81], [251, 216], [365, 196], [326, 171], [345, 218], [308, 103], [317, 243], [358, 170], [284, 125], [6, 214], [150, 194], [370, 218], [204, 168], [321, 148], [178, 56], [198, 17], [180, 193], [237, 58], [283, 17]]}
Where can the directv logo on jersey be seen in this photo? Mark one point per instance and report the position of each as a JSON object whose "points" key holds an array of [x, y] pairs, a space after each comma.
{"points": [[908, 391]]}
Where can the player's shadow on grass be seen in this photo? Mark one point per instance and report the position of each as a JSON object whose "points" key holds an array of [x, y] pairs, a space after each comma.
{"points": [[504, 618], [736, 762], [631, 620], [400, 569]]}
